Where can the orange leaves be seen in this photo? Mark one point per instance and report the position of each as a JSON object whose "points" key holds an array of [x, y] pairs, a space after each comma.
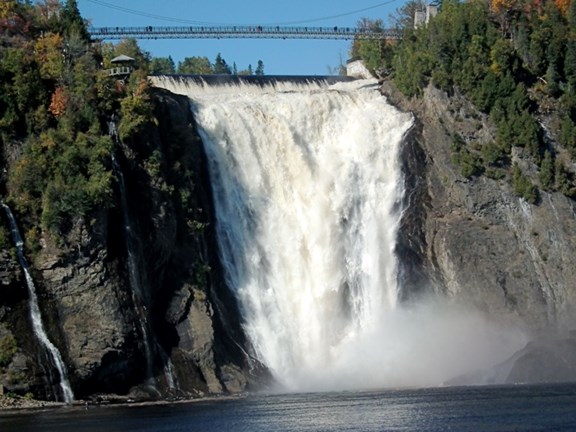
{"points": [[503, 11], [499, 6], [142, 88], [47, 141], [562, 5], [59, 102]]}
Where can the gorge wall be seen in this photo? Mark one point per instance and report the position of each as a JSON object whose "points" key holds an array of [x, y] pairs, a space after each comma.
{"points": [[470, 241], [474, 241], [91, 313]]}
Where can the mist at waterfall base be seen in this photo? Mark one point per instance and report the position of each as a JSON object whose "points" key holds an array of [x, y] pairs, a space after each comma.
{"points": [[308, 189]]}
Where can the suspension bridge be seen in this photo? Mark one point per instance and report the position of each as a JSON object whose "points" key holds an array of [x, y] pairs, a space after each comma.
{"points": [[242, 32]]}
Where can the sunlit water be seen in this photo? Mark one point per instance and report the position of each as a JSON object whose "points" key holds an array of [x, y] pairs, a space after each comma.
{"points": [[513, 408]]}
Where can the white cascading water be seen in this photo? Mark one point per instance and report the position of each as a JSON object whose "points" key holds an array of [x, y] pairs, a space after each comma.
{"points": [[307, 188], [35, 316]]}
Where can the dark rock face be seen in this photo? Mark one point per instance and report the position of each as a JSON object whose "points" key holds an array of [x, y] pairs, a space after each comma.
{"points": [[195, 317], [474, 240], [547, 359], [88, 310], [17, 368], [544, 361], [94, 315], [470, 240]]}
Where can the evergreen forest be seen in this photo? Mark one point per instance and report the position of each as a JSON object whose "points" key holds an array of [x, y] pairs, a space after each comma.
{"points": [[515, 60]]}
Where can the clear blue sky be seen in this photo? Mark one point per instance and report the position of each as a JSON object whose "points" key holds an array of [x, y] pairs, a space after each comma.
{"points": [[280, 57]]}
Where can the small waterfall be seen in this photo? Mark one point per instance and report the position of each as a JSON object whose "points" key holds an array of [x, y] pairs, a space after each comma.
{"points": [[35, 316], [138, 296], [169, 374]]}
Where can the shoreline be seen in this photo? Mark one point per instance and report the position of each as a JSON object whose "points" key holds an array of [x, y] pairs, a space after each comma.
{"points": [[17, 405]]}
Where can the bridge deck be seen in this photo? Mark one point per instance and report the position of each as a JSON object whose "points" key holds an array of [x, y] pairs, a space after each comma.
{"points": [[235, 32]]}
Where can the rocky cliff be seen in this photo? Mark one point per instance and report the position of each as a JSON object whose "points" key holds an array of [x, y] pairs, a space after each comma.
{"points": [[173, 329], [168, 330], [476, 242]]}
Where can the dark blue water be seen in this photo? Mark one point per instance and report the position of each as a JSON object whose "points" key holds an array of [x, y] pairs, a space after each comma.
{"points": [[510, 408]]}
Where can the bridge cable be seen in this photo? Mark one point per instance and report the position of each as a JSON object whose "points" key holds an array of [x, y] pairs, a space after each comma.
{"points": [[185, 21]]}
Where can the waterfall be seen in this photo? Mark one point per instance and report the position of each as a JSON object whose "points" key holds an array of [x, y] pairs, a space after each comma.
{"points": [[35, 316], [307, 188], [138, 296]]}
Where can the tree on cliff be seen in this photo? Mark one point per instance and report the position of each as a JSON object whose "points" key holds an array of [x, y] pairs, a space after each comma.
{"points": [[221, 67], [375, 54], [515, 61], [259, 68], [72, 22], [162, 65], [54, 104], [14, 18], [195, 66]]}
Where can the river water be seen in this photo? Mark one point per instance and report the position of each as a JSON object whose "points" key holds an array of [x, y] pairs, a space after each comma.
{"points": [[499, 408]]}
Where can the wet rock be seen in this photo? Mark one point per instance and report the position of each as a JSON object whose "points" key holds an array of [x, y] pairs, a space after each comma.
{"points": [[473, 239], [96, 317], [545, 360]]}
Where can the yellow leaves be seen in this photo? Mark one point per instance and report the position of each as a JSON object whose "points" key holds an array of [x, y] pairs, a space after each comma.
{"points": [[499, 6], [48, 52], [7, 9], [11, 19], [21, 165], [47, 141], [142, 89]]}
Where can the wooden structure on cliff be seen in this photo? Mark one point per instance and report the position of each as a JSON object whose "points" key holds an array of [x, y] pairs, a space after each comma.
{"points": [[124, 66]]}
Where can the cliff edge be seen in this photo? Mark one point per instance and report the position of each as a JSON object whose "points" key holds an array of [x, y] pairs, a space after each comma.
{"points": [[132, 295], [474, 241]]}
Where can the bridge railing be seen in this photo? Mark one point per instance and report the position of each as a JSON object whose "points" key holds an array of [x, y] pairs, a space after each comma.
{"points": [[264, 32]]}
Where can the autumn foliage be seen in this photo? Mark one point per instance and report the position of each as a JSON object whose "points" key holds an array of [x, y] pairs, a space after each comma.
{"points": [[499, 6], [59, 102], [12, 20], [563, 6], [52, 114], [48, 51]]}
